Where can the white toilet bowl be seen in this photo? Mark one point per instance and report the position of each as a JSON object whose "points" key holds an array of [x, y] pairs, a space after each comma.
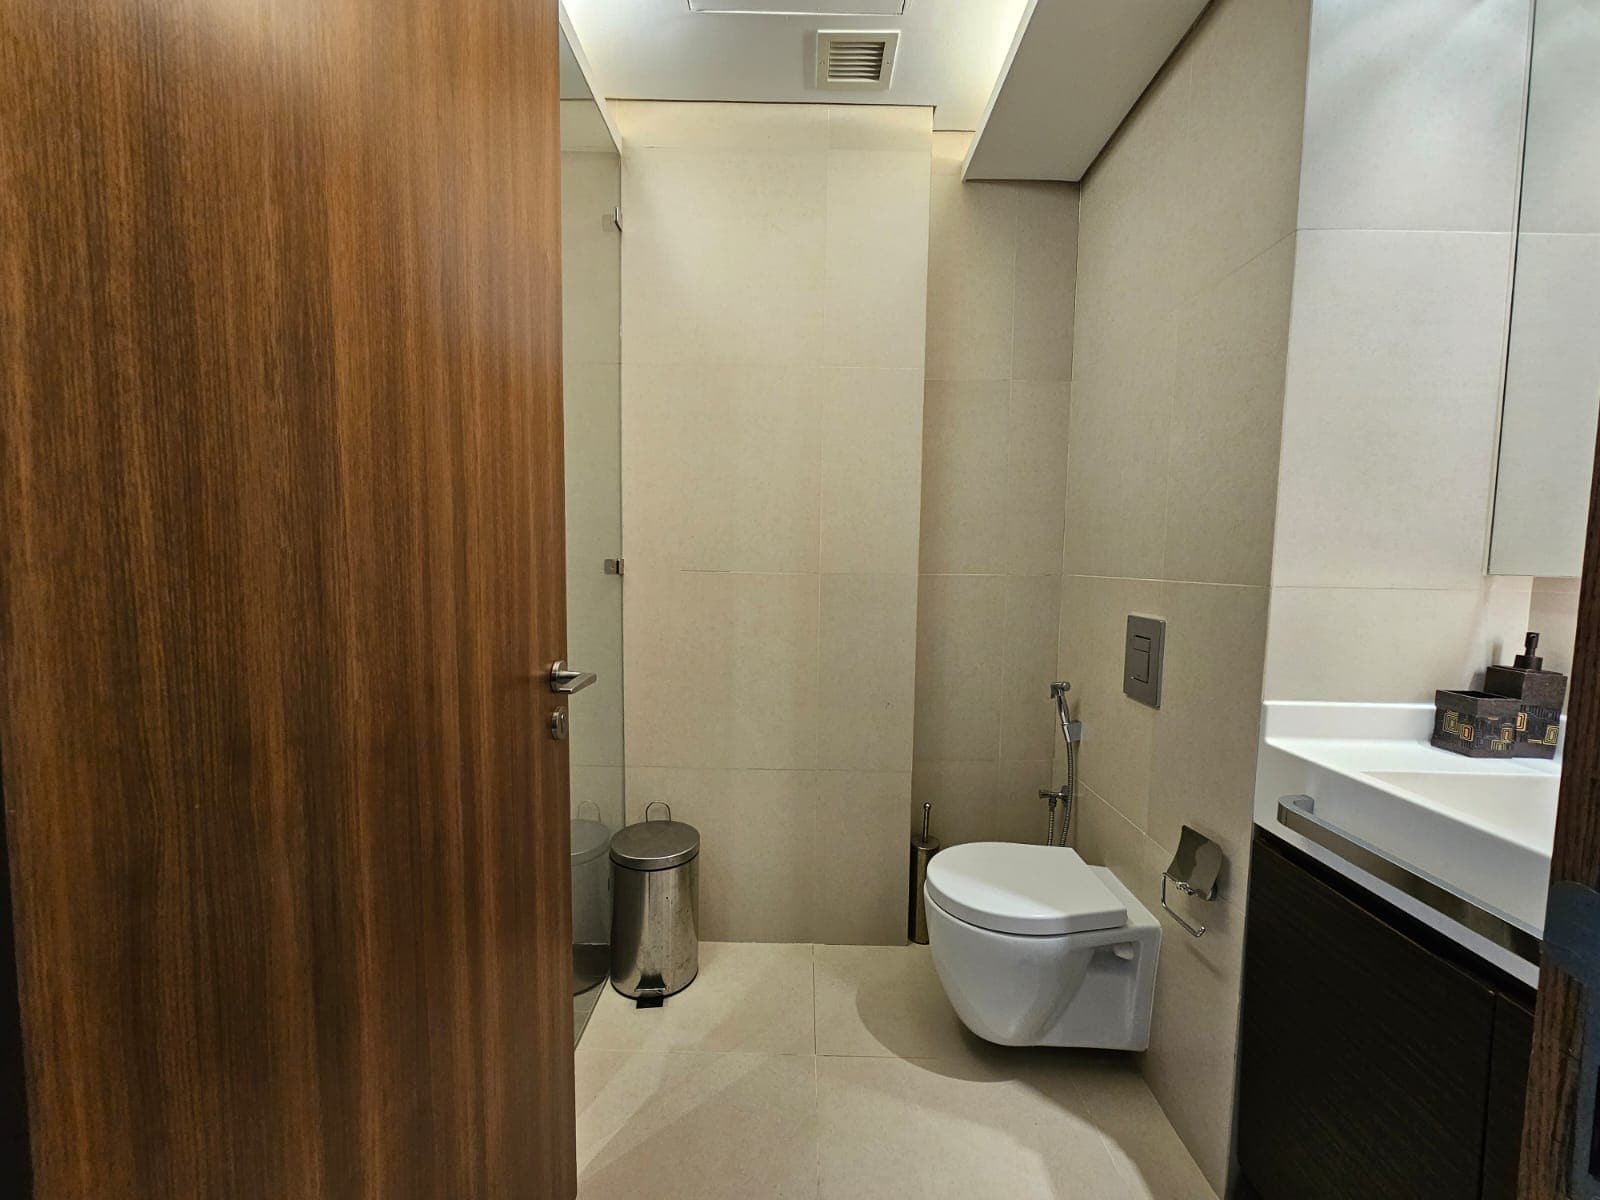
{"points": [[1037, 948]]}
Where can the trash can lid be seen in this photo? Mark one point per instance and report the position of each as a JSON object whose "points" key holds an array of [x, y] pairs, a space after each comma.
{"points": [[655, 845], [589, 840]]}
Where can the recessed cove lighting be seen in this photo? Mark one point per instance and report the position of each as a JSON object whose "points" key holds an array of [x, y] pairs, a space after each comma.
{"points": [[802, 8]]}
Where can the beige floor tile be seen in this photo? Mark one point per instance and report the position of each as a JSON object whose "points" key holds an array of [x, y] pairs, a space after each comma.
{"points": [[1007, 1128], [897, 1100], [1141, 1140], [749, 996], [885, 1001], [696, 1126]]}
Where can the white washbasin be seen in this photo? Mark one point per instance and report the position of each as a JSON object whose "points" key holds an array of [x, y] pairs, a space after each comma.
{"points": [[1517, 808], [1484, 829]]}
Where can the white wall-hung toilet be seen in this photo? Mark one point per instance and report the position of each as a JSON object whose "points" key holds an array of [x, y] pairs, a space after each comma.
{"points": [[1037, 948]]}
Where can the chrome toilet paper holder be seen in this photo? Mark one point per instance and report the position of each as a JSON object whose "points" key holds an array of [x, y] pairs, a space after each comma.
{"points": [[1194, 872]]}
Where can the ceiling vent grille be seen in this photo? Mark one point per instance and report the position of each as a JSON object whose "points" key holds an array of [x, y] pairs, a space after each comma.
{"points": [[853, 60]]}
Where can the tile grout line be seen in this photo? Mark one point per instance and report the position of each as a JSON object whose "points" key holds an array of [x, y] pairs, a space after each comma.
{"points": [[816, 1082]]}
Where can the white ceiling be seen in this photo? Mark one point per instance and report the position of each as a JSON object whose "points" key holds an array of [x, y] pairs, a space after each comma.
{"points": [[1074, 72], [949, 56]]}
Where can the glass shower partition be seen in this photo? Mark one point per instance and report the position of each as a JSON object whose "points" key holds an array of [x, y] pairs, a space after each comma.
{"points": [[591, 251]]}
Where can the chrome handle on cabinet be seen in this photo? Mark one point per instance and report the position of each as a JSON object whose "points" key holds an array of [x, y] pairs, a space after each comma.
{"points": [[1299, 814], [564, 680]]}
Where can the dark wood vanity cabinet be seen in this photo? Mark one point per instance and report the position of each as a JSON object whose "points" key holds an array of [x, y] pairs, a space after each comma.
{"points": [[1377, 1062]]}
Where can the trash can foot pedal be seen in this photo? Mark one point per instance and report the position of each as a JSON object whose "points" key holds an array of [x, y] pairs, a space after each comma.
{"points": [[652, 992]]}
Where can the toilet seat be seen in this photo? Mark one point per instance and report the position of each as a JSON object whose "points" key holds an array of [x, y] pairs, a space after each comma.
{"points": [[1011, 887]]}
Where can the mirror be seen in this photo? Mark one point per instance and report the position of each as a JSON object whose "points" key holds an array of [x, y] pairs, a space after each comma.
{"points": [[591, 267], [1552, 391]]}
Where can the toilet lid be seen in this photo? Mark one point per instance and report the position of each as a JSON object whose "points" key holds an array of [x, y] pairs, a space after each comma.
{"points": [[1010, 887]]}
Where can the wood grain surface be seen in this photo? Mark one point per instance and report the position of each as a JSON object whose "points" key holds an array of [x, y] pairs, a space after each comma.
{"points": [[1558, 1025], [280, 486]]}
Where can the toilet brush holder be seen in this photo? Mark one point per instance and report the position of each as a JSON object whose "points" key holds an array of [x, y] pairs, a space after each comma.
{"points": [[923, 847], [1194, 872]]}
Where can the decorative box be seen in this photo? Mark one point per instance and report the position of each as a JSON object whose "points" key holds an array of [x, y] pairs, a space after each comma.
{"points": [[1539, 696], [1477, 724]]}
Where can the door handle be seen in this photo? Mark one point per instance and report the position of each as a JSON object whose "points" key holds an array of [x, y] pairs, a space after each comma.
{"points": [[564, 680]]}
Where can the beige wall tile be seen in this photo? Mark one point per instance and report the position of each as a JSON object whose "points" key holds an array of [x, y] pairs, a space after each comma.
{"points": [[1133, 257], [1246, 102], [960, 652], [749, 892], [1194, 1033], [1414, 115], [1184, 277], [965, 447], [772, 501], [747, 645], [1046, 280], [994, 481], [971, 278], [1117, 475], [695, 126], [1035, 477], [868, 673], [1106, 838], [722, 257], [1205, 753], [1226, 427], [963, 798], [1119, 733], [1194, 1029], [1028, 722], [858, 858], [1392, 413], [871, 441], [722, 466], [1390, 644], [879, 127], [1020, 813], [876, 252]]}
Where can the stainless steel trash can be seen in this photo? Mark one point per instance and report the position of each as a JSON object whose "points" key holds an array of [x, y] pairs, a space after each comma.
{"points": [[655, 907]]}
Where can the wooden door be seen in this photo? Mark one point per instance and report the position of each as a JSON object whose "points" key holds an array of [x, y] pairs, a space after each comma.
{"points": [[1547, 1131], [280, 490]]}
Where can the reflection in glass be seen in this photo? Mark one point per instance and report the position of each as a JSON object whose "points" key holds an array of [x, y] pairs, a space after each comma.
{"points": [[590, 299]]}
